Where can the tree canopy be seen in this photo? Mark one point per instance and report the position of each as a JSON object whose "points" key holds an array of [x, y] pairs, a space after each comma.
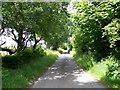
{"points": [[96, 27], [43, 20]]}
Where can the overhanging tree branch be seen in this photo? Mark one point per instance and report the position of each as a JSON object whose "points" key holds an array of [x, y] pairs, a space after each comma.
{"points": [[3, 43], [7, 50], [2, 31], [15, 38]]}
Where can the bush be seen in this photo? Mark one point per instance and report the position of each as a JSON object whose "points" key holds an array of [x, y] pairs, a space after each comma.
{"points": [[21, 58], [10, 62], [113, 69], [22, 77], [40, 52], [107, 70]]}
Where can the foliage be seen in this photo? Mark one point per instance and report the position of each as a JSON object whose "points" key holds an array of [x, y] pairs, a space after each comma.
{"points": [[39, 19], [106, 70], [96, 37], [113, 69], [31, 21], [86, 61], [95, 29], [21, 58], [24, 76], [112, 32], [60, 50], [92, 27]]}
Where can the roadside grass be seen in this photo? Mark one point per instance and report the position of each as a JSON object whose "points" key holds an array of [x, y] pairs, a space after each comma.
{"points": [[100, 70], [97, 69], [60, 50], [85, 61], [22, 77]]}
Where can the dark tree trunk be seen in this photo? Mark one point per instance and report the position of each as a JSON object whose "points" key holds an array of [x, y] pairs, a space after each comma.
{"points": [[8, 50], [36, 41], [34, 47], [20, 44]]}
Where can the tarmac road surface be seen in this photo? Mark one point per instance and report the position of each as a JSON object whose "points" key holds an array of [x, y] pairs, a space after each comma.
{"points": [[66, 73]]}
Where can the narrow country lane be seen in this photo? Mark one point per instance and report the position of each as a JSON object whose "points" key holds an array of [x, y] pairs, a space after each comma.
{"points": [[65, 73]]}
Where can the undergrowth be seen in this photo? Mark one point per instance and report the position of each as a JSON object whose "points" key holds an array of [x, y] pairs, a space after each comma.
{"points": [[107, 70], [22, 76]]}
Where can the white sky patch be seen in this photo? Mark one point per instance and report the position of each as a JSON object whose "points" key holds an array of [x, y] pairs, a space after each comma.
{"points": [[70, 9], [8, 40]]}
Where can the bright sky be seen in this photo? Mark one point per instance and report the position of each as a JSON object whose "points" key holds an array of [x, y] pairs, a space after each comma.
{"points": [[69, 8]]}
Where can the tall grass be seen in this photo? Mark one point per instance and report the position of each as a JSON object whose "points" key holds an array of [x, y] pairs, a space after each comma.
{"points": [[23, 76], [99, 69]]}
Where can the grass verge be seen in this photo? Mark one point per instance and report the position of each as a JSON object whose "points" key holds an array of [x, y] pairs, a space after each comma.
{"points": [[97, 69], [21, 77]]}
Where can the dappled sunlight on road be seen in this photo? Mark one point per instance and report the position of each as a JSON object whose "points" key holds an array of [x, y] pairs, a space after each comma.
{"points": [[65, 73]]}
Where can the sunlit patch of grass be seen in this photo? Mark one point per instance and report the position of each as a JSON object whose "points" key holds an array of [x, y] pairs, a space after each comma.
{"points": [[73, 52], [48, 51], [85, 61], [97, 69], [21, 77], [60, 50]]}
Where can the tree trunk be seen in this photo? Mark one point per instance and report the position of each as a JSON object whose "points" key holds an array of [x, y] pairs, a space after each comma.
{"points": [[36, 41], [20, 44], [34, 47]]}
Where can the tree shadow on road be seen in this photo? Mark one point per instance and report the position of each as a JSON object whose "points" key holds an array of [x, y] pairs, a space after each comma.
{"points": [[65, 73]]}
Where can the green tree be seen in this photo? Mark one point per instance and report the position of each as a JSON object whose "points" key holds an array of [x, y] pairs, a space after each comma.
{"points": [[89, 22], [43, 20]]}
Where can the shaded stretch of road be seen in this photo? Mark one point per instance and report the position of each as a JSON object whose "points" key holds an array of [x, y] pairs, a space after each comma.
{"points": [[65, 73]]}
